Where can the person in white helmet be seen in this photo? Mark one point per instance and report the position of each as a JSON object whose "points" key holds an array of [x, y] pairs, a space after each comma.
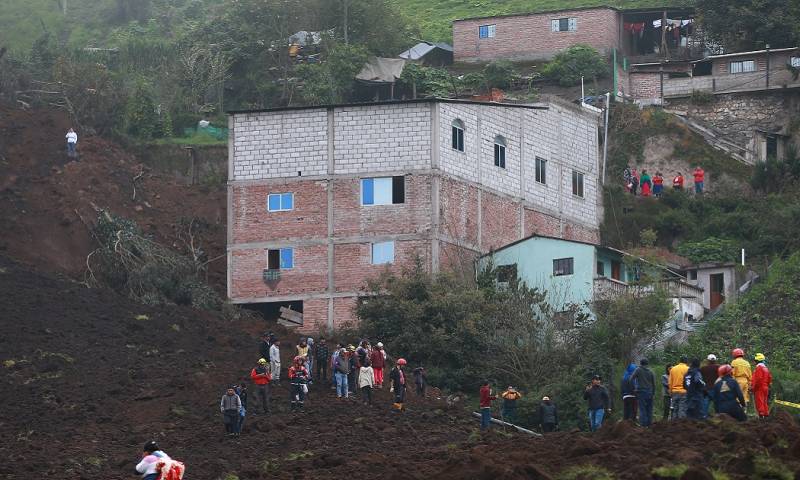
{"points": [[378, 361], [710, 373]]}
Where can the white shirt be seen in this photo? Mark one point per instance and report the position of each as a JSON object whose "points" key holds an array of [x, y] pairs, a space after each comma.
{"points": [[150, 462], [274, 355], [72, 137]]}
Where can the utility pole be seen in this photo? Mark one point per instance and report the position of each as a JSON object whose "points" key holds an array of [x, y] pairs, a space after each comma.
{"points": [[64, 7], [345, 3]]}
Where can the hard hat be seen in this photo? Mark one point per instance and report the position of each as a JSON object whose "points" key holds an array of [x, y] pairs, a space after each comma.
{"points": [[737, 352], [298, 359], [351, 348], [760, 357], [711, 357], [724, 370], [401, 361], [545, 399], [379, 344], [262, 361]]}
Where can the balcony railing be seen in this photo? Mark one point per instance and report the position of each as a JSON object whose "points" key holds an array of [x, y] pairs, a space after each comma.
{"points": [[607, 288]]}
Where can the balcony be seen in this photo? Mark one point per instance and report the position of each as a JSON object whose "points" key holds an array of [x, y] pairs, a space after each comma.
{"points": [[607, 289]]}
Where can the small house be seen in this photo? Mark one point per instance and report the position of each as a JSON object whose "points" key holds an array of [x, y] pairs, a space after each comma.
{"points": [[429, 54]]}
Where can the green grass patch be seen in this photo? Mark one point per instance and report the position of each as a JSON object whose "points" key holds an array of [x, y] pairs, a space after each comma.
{"points": [[767, 468], [720, 475], [95, 461], [585, 472], [671, 471], [271, 465]]}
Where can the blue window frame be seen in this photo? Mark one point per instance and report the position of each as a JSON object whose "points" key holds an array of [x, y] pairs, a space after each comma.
{"points": [[486, 31], [383, 190], [382, 252], [280, 202], [287, 258], [280, 259]]}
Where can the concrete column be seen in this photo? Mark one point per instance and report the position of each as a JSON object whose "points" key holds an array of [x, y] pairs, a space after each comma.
{"points": [[331, 172], [229, 209], [522, 180], [435, 187]]}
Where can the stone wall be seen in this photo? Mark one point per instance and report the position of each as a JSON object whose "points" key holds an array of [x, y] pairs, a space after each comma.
{"points": [[207, 165], [530, 37]]}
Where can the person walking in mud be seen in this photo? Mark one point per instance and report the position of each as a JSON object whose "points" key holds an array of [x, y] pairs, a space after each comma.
{"points": [[261, 378], [548, 415], [229, 406], [366, 380], [341, 371], [695, 390], [599, 402], [398, 379], [72, 143], [275, 360], [298, 379], [485, 399], [644, 382], [377, 359]]}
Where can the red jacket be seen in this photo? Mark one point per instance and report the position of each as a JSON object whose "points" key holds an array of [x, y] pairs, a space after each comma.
{"points": [[762, 379], [260, 378], [658, 180], [486, 397], [678, 181], [376, 359], [699, 175]]}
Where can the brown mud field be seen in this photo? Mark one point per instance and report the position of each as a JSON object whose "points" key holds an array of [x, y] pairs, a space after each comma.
{"points": [[85, 383]]}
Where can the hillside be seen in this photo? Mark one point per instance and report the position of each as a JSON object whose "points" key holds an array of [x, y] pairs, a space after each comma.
{"points": [[434, 17]]}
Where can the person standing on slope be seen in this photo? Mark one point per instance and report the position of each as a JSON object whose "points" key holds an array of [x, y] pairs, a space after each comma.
{"points": [[710, 373], [261, 377], [275, 360], [548, 415], [485, 403], [677, 391], [599, 402], [742, 373], [762, 380], [366, 380], [156, 464], [321, 353], [398, 378], [627, 389], [644, 382], [72, 142], [508, 409], [230, 405], [298, 378], [341, 371], [695, 390], [378, 361]]}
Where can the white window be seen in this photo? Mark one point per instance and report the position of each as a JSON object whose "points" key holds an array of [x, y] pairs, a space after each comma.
{"points": [[458, 135], [280, 259], [563, 266], [383, 190], [564, 24], [280, 202], [486, 31], [794, 62], [382, 252], [577, 183], [743, 66], [541, 170], [500, 151]]}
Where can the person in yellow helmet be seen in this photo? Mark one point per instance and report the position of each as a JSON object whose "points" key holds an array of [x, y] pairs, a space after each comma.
{"points": [[742, 372]]}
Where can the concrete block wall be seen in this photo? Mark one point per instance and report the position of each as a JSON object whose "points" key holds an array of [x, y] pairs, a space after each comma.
{"points": [[529, 36], [280, 144]]}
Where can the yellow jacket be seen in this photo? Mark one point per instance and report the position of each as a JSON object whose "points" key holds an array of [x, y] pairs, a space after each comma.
{"points": [[742, 373], [302, 351], [676, 374]]}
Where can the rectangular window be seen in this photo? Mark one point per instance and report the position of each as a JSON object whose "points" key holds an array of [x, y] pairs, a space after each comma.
{"points": [[794, 62], [382, 252], [692, 275], [486, 31], [601, 269], [743, 66], [280, 202], [499, 155], [577, 183], [506, 273], [563, 266], [280, 259], [458, 139], [564, 24], [541, 170], [383, 190]]}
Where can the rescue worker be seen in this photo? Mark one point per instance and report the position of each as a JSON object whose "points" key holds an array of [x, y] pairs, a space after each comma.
{"points": [[762, 380], [298, 380], [710, 375], [261, 377], [321, 353], [742, 373], [677, 391], [398, 379], [485, 403], [508, 410], [727, 395], [695, 390], [378, 361], [599, 403], [548, 415]]}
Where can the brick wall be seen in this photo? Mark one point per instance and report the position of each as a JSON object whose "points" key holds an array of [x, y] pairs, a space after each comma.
{"points": [[309, 275], [529, 37], [315, 315], [279, 144], [500, 221], [644, 85], [351, 218], [252, 222], [353, 262], [458, 206], [343, 311]]}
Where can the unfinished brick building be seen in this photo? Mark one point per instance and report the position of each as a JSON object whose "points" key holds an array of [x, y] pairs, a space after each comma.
{"points": [[323, 198]]}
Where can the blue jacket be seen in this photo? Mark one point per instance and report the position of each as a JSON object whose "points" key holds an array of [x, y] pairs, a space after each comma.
{"points": [[727, 395]]}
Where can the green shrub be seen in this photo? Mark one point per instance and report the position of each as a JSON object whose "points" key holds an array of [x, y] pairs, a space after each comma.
{"points": [[499, 74], [578, 61]]}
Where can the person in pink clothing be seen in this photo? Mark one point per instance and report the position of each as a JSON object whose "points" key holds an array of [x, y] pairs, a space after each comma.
{"points": [[377, 359]]}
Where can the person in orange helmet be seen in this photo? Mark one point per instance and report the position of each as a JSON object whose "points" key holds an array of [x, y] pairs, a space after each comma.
{"points": [[762, 380]]}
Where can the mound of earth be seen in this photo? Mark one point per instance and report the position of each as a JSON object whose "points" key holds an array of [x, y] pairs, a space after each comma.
{"points": [[47, 196]]}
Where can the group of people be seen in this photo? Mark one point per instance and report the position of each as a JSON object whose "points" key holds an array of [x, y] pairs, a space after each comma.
{"points": [[647, 185], [354, 372], [548, 412]]}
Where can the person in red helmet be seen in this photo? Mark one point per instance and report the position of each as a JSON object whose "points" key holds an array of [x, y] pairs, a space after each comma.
{"points": [[398, 379], [762, 380], [298, 379], [727, 395], [742, 373]]}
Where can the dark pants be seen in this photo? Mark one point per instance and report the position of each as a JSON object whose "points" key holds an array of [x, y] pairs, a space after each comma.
{"points": [[366, 394], [509, 414], [486, 418], [231, 420], [322, 370], [694, 406], [262, 391], [400, 394], [667, 407], [240, 424], [629, 408], [351, 382], [645, 400], [297, 396], [734, 411], [152, 476], [420, 389], [548, 427]]}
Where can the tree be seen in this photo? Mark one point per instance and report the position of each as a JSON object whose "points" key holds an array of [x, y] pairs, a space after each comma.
{"points": [[750, 24], [577, 61], [332, 80], [499, 74]]}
